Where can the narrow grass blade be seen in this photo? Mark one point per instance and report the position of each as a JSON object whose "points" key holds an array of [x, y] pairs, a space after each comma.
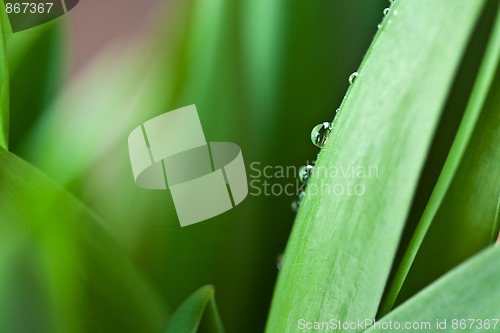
{"points": [[495, 236], [4, 87], [340, 252], [459, 219], [197, 314], [36, 66], [467, 299]]}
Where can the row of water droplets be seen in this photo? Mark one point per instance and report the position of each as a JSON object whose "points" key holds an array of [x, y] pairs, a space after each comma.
{"points": [[387, 11], [319, 137]]}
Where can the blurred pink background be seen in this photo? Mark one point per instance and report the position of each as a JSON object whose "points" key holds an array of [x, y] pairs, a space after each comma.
{"points": [[94, 24]]}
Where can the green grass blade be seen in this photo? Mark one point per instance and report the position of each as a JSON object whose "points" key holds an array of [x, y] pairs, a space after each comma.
{"points": [[339, 255], [459, 217], [471, 291], [495, 237], [198, 311], [36, 65], [80, 281], [4, 87]]}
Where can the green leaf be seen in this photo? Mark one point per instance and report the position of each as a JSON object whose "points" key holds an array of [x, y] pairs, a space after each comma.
{"points": [[340, 251], [471, 291], [460, 215], [496, 224], [36, 64], [58, 266], [4, 87], [199, 308]]}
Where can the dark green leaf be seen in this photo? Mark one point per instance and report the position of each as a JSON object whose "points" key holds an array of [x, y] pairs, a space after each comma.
{"points": [[36, 64]]}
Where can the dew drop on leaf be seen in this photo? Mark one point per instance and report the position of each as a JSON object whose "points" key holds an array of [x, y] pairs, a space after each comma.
{"points": [[279, 261], [301, 198], [320, 133], [305, 172], [353, 77]]}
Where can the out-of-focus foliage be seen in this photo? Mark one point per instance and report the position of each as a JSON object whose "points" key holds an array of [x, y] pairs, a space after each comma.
{"points": [[36, 64], [59, 270], [4, 87], [261, 73], [197, 314]]}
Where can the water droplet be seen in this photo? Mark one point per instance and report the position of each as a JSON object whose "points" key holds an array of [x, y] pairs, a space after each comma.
{"points": [[302, 195], [296, 203], [386, 11], [337, 111], [279, 261], [320, 133], [395, 12], [379, 26], [305, 173], [353, 77]]}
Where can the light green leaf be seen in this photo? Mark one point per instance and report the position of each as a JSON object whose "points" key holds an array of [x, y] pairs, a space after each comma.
{"points": [[4, 87], [78, 279], [199, 308], [459, 219], [496, 224], [341, 249], [468, 296]]}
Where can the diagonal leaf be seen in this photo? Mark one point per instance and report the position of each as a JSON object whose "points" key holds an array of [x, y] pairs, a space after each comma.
{"points": [[339, 255], [468, 296], [460, 215], [199, 308], [4, 87], [78, 279]]}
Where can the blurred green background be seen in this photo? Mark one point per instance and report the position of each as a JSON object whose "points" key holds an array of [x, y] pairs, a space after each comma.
{"points": [[261, 73]]}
